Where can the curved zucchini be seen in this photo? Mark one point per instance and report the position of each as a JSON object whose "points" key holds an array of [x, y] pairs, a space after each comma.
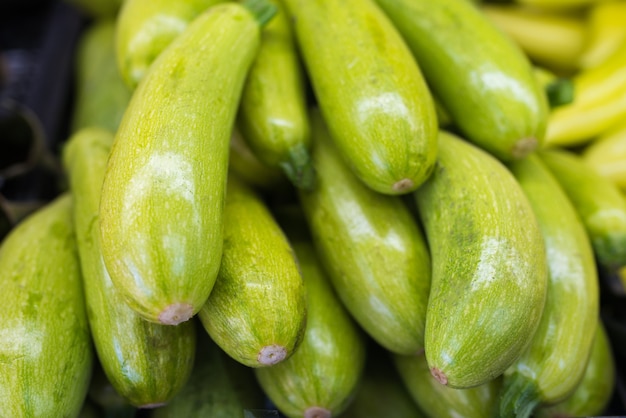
{"points": [[101, 95], [273, 114], [163, 195], [146, 27], [46, 354], [370, 91], [593, 393], [319, 380], [489, 266], [483, 80], [599, 203], [439, 401], [257, 310], [372, 248], [549, 370], [146, 363]]}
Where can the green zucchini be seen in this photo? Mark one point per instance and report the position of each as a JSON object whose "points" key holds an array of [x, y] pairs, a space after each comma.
{"points": [[482, 78], [46, 354], [439, 401], [101, 94], [219, 387], [257, 310], [146, 363], [489, 266], [146, 27], [320, 378], [593, 393], [163, 195], [273, 114], [370, 91], [555, 361], [599, 203], [372, 248]]}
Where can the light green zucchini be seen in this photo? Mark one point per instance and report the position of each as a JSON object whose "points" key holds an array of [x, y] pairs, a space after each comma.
{"points": [[273, 114], [101, 96], [257, 310], [555, 361], [594, 392], [146, 27], [599, 203], [370, 91], [161, 210], [489, 266], [320, 378], [219, 387], [372, 248], [439, 401], [146, 363], [46, 354], [482, 78]]}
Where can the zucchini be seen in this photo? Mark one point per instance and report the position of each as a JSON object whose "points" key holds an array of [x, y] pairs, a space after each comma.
{"points": [[593, 393], [101, 95], [320, 378], [146, 27], [555, 361], [439, 401], [482, 78], [489, 266], [372, 248], [273, 114], [257, 310], [146, 363], [46, 354], [599, 203], [370, 91], [161, 210]]}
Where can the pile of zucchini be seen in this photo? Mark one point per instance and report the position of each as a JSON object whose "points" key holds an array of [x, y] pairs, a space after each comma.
{"points": [[355, 208]]}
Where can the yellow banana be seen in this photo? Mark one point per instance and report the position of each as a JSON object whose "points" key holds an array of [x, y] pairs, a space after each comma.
{"points": [[558, 5], [607, 154], [552, 40], [606, 32], [599, 104]]}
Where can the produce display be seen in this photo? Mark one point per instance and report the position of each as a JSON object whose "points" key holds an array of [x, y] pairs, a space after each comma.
{"points": [[324, 208]]}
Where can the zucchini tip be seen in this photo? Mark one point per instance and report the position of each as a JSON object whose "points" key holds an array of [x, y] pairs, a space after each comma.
{"points": [[317, 412], [272, 354], [176, 313], [439, 375]]}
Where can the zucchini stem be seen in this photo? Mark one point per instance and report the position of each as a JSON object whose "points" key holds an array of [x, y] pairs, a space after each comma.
{"points": [[263, 10], [299, 169]]}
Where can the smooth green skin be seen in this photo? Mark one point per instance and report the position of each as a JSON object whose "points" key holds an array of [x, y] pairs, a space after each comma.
{"points": [[555, 361], [259, 297], [372, 248], [145, 28], [163, 194], [146, 363], [489, 265], [219, 387], [101, 95], [593, 393], [439, 401], [273, 114], [370, 91], [46, 354], [482, 78], [599, 203], [382, 393], [327, 366]]}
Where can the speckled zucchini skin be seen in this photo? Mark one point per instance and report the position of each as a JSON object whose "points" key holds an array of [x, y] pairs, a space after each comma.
{"points": [[552, 366], [482, 78], [370, 91], [46, 354], [372, 248], [146, 363], [161, 211], [489, 276], [324, 372], [257, 310]]}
